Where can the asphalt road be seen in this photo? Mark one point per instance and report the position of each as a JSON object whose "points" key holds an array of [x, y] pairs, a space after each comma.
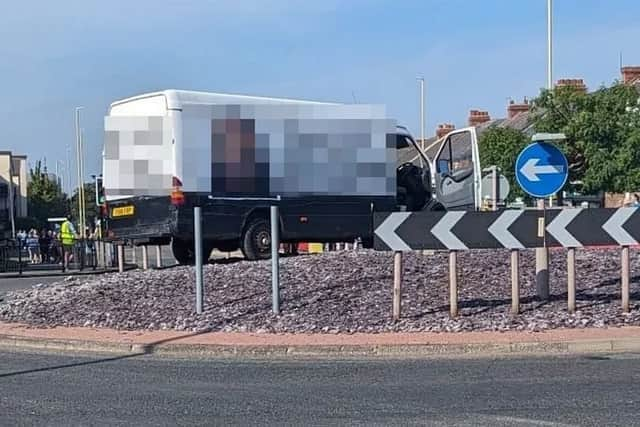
{"points": [[39, 389], [14, 284]]}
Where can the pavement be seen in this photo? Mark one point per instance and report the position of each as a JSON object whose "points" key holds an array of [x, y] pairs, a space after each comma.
{"points": [[265, 345], [54, 389]]}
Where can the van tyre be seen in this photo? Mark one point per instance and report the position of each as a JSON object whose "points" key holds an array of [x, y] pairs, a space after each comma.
{"points": [[256, 241], [183, 251]]}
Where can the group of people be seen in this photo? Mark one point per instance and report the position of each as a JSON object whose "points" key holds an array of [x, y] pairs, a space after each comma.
{"points": [[53, 246], [44, 247]]}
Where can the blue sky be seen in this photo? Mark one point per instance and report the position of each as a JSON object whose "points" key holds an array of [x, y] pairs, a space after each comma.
{"points": [[472, 54]]}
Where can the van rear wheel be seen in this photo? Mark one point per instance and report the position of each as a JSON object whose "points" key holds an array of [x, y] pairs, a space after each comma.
{"points": [[256, 241], [183, 251]]}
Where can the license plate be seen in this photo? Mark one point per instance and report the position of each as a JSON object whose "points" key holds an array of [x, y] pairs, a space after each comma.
{"points": [[122, 211]]}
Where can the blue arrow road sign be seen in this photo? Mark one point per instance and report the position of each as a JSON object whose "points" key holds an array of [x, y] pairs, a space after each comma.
{"points": [[541, 169]]}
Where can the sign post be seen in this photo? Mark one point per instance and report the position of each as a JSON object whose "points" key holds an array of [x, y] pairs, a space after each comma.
{"points": [[275, 262], [541, 171]]}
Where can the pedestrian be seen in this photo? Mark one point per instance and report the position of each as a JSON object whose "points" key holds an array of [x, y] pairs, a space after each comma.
{"points": [[53, 247], [635, 200], [33, 246], [44, 241], [68, 238]]}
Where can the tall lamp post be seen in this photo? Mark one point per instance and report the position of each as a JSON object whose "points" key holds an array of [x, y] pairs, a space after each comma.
{"points": [[79, 171], [549, 44], [422, 144], [542, 254], [69, 188]]}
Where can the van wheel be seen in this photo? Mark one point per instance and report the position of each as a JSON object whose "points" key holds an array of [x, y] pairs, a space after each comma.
{"points": [[256, 241], [183, 251]]}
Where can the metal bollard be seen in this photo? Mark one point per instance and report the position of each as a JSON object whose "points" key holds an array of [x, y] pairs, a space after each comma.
{"points": [[158, 256], [275, 264], [197, 225], [571, 280], [120, 258], [145, 257]]}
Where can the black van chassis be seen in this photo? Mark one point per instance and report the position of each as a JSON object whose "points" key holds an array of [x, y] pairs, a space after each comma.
{"points": [[229, 224]]}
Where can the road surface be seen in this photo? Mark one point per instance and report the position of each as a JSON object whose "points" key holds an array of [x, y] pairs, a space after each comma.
{"points": [[14, 284], [39, 389]]}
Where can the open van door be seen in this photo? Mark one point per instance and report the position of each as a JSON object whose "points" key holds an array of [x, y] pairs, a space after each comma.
{"points": [[458, 171]]}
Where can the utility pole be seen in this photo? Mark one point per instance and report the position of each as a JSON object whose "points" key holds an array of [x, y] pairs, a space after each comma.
{"points": [[68, 169], [78, 163], [421, 80], [82, 195], [549, 44]]}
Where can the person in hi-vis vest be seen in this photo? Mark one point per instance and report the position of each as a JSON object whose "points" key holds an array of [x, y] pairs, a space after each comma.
{"points": [[68, 238]]}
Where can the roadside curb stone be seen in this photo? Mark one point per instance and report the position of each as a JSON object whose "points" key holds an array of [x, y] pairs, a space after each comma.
{"points": [[253, 346]]}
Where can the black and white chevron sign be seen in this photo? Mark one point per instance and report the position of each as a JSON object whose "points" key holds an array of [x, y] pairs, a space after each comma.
{"points": [[458, 230], [572, 228]]}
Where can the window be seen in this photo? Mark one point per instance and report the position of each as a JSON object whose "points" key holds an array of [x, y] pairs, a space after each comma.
{"points": [[406, 151], [456, 154]]}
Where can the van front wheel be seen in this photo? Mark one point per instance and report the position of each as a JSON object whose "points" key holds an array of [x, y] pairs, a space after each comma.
{"points": [[256, 241]]}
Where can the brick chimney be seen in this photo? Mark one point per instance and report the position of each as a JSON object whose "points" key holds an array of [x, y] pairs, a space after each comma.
{"points": [[443, 129], [575, 83], [478, 117], [516, 108], [630, 75]]}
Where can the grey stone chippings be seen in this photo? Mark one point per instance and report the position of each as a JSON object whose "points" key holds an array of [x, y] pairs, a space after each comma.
{"points": [[337, 292]]}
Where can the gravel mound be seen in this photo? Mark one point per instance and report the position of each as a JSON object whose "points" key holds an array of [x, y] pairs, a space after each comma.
{"points": [[336, 292]]}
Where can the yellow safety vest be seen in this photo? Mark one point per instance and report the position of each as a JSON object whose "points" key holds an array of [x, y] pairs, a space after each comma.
{"points": [[65, 233]]}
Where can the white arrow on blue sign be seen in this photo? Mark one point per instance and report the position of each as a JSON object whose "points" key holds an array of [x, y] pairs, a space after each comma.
{"points": [[541, 169]]}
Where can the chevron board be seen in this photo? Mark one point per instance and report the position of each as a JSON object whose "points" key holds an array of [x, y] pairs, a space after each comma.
{"points": [[572, 228], [458, 230], [513, 229]]}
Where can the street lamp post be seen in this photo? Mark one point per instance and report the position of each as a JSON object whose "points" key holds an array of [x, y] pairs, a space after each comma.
{"points": [[549, 44], [68, 169], [542, 254], [422, 144], [78, 173], [83, 216], [422, 111]]}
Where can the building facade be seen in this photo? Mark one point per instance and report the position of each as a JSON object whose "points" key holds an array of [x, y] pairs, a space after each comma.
{"points": [[13, 191]]}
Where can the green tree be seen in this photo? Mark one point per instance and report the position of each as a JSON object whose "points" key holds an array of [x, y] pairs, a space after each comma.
{"points": [[45, 198], [602, 130], [89, 202], [500, 146]]}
